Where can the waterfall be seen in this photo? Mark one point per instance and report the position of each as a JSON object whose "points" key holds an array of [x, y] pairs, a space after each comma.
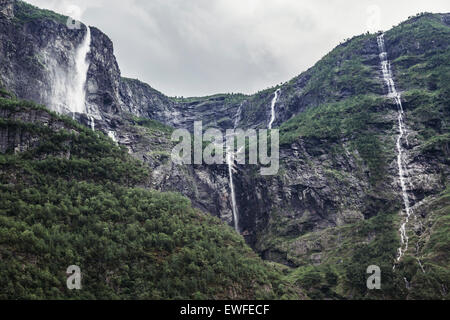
{"points": [[230, 157], [230, 163], [68, 89], [421, 266], [113, 136], [272, 107], [238, 116], [392, 93], [91, 122], [77, 96]]}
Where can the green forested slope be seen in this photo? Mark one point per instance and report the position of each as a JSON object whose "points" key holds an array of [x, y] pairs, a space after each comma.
{"points": [[68, 196]]}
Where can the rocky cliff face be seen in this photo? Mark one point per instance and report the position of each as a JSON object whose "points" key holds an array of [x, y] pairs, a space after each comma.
{"points": [[339, 170], [33, 53], [38, 60], [103, 78], [38, 57]]}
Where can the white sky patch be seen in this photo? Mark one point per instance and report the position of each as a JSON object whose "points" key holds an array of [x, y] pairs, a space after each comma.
{"points": [[201, 47]]}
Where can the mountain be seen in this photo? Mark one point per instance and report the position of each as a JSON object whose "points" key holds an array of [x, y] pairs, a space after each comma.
{"points": [[334, 208], [72, 196]]}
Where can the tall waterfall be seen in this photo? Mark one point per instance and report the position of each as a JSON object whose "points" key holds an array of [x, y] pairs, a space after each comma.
{"points": [[68, 93], [238, 116], [230, 163], [392, 93], [230, 157], [77, 96], [272, 108]]}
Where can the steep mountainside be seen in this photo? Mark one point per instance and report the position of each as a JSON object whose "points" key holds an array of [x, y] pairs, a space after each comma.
{"points": [[70, 196], [338, 201]]}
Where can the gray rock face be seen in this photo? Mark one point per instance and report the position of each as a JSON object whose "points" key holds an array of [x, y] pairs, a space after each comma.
{"points": [[446, 18], [103, 79], [38, 60], [33, 54], [141, 100], [18, 139]]}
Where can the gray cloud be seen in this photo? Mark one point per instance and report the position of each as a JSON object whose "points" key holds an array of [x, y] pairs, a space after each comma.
{"points": [[200, 47]]}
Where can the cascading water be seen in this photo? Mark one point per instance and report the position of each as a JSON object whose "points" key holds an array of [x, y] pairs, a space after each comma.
{"points": [[91, 122], [272, 107], [69, 82], [392, 93], [77, 96], [230, 163], [230, 157], [68, 93], [238, 116], [113, 136], [421, 266]]}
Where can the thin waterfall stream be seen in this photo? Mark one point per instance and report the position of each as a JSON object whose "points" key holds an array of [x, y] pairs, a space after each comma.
{"points": [[230, 157], [392, 93], [272, 108], [230, 163]]}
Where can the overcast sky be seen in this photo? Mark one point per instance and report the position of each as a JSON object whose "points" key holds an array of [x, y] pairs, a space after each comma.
{"points": [[201, 47]]}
